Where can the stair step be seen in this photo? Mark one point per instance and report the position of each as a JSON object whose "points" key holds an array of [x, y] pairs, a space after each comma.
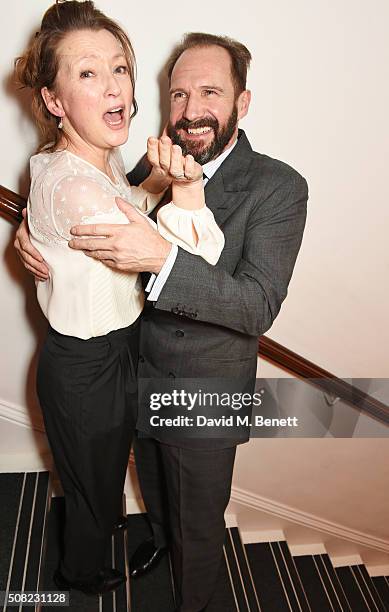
{"points": [[360, 590], [277, 581], [321, 583], [110, 602], [241, 572], [26, 498], [381, 583], [152, 592]]}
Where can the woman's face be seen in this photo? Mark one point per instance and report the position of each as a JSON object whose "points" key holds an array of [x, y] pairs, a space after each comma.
{"points": [[93, 89]]}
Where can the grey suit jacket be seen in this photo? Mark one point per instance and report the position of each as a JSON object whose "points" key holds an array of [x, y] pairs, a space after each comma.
{"points": [[207, 320]]}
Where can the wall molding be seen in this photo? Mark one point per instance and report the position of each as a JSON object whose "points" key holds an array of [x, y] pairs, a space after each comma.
{"points": [[310, 521]]}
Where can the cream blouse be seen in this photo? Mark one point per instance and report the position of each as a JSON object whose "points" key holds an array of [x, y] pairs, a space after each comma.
{"points": [[82, 297]]}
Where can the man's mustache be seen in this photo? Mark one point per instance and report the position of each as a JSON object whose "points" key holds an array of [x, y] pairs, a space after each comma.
{"points": [[185, 124]]}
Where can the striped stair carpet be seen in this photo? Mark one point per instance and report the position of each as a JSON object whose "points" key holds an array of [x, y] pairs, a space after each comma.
{"points": [[293, 584], [24, 501], [322, 585], [381, 583], [360, 589], [235, 588], [260, 577], [277, 581]]}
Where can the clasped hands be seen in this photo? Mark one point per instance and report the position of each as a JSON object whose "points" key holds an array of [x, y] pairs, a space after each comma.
{"points": [[138, 247], [133, 247]]}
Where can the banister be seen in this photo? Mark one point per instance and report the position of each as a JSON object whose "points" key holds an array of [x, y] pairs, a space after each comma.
{"points": [[305, 369], [12, 204]]}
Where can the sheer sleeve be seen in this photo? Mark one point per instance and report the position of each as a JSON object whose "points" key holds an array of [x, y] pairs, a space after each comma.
{"points": [[144, 200], [140, 197], [176, 225], [77, 200]]}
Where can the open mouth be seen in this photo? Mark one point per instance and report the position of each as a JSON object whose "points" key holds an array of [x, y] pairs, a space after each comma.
{"points": [[114, 117]]}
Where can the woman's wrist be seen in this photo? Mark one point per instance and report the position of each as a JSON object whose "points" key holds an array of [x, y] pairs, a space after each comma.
{"points": [[189, 196]]}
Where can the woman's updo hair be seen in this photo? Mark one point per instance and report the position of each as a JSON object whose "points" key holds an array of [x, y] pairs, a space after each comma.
{"points": [[38, 66]]}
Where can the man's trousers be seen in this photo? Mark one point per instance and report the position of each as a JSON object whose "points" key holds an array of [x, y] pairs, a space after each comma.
{"points": [[88, 394], [186, 492]]}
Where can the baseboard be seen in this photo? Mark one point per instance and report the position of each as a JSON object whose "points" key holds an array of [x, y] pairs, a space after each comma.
{"points": [[262, 504]]}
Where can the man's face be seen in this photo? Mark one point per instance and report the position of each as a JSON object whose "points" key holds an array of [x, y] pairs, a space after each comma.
{"points": [[204, 110]]}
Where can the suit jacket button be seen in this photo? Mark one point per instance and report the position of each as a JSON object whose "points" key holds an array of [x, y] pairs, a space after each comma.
{"points": [[179, 333], [171, 375]]}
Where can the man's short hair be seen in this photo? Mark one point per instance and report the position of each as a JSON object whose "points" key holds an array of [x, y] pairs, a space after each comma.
{"points": [[239, 54]]}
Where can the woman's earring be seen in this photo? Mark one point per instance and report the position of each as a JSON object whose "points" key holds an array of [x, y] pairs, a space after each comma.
{"points": [[60, 124]]}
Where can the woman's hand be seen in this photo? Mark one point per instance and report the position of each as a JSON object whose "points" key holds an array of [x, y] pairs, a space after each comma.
{"points": [[170, 166], [30, 257]]}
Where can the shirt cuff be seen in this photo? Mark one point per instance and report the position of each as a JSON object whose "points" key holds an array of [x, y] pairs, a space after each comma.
{"points": [[157, 281]]}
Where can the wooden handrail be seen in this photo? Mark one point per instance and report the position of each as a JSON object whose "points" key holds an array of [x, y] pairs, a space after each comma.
{"points": [[12, 204], [301, 367]]}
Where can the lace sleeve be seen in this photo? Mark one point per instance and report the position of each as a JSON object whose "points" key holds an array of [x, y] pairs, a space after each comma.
{"points": [[176, 225], [79, 200], [140, 197], [144, 200]]}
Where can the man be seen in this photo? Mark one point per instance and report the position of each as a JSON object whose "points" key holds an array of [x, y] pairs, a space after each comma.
{"points": [[201, 320]]}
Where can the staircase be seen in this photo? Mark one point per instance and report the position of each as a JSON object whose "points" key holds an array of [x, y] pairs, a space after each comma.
{"points": [[261, 577]]}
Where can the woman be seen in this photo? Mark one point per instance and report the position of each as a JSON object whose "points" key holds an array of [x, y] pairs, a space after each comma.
{"points": [[80, 67]]}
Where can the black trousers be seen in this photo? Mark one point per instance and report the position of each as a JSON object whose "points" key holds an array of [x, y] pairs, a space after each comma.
{"points": [[88, 394], [186, 492]]}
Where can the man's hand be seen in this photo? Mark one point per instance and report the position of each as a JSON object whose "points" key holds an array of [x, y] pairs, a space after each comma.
{"points": [[133, 247], [30, 257]]}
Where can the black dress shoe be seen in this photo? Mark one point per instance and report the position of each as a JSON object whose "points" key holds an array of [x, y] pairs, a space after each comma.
{"points": [[146, 556], [121, 523], [106, 580]]}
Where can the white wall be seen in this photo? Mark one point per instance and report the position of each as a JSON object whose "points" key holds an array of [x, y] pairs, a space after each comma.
{"points": [[320, 102]]}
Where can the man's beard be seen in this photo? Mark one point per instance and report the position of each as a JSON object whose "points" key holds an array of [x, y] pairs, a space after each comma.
{"points": [[202, 154]]}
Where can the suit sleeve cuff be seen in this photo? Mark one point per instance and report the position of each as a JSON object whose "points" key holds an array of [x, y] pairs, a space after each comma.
{"points": [[157, 281]]}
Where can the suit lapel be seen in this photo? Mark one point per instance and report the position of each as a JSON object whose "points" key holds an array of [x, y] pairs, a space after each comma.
{"points": [[226, 189]]}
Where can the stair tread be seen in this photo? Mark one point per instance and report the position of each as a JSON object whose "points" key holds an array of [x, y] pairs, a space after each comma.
{"points": [[382, 585], [268, 579], [10, 489], [22, 535], [321, 583], [361, 597]]}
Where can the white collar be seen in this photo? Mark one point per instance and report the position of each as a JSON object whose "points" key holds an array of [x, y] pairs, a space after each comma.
{"points": [[210, 167]]}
